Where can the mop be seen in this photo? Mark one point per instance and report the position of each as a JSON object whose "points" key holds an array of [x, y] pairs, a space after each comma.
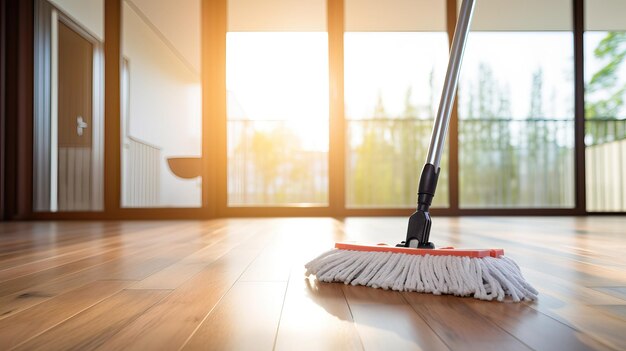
{"points": [[415, 264]]}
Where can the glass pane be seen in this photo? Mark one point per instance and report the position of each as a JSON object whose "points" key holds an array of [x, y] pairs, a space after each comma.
{"points": [[277, 86], [392, 87], [516, 128], [68, 106], [161, 104], [605, 113]]}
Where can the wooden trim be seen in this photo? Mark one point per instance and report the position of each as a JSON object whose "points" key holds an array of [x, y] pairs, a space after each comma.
{"points": [[2, 105], [579, 106], [214, 127], [25, 111], [10, 109], [453, 128], [76, 26], [517, 212], [112, 147], [278, 212], [398, 212], [125, 213], [17, 141], [337, 140], [242, 212]]}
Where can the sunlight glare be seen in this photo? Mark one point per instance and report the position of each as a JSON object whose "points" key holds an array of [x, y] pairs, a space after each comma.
{"points": [[280, 76]]}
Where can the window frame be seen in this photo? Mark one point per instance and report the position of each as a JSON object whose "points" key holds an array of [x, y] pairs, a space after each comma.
{"points": [[214, 123]]}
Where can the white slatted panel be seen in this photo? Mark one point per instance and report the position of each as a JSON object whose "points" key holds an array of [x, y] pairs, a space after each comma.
{"points": [[74, 179], [606, 176], [142, 178]]}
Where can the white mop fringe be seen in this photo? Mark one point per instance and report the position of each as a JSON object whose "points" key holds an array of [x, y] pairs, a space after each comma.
{"points": [[486, 278]]}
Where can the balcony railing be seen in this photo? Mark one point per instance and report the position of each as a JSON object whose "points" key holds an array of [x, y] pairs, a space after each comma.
{"points": [[269, 165], [526, 163], [502, 163]]}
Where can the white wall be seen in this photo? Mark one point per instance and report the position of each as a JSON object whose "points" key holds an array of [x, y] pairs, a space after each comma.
{"points": [[88, 13], [165, 104]]}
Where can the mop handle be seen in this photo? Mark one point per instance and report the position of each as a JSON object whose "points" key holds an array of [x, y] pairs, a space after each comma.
{"points": [[438, 138]]}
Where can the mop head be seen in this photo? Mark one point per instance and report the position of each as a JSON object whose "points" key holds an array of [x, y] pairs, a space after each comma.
{"points": [[483, 274]]}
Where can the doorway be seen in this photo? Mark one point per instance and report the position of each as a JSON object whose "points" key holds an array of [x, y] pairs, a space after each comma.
{"points": [[68, 133]]}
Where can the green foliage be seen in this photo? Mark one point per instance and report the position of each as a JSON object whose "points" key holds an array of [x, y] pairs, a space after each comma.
{"points": [[605, 96], [487, 97], [372, 175], [388, 161], [281, 169], [536, 95]]}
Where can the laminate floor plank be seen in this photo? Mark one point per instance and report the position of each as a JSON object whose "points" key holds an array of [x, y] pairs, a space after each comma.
{"points": [[169, 324], [615, 311], [92, 327], [245, 319], [272, 265], [92, 244], [134, 264], [460, 327], [214, 247], [385, 321], [316, 317], [23, 282], [534, 328], [83, 236], [42, 240], [20, 327], [604, 328], [616, 291]]}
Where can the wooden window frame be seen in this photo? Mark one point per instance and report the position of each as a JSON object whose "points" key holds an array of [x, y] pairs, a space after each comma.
{"points": [[214, 126]]}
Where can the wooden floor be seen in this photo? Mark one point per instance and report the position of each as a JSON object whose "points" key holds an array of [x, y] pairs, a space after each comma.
{"points": [[238, 284]]}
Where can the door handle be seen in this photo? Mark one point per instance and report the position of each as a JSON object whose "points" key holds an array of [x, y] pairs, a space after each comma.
{"points": [[80, 125]]}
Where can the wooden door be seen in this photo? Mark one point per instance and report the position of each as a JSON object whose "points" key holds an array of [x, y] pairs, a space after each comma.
{"points": [[75, 93]]}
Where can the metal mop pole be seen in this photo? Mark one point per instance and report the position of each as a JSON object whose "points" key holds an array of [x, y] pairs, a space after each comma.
{"points": [[419, 223]]}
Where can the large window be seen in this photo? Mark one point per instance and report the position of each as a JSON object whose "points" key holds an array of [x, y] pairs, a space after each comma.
{"points": [[516, 108], [277, 118], [327, 107], [278, 113], [392, 87], [605, 105], [394, 68]]}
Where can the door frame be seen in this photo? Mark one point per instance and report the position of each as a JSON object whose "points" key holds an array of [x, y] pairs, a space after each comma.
{"points": [[45, 160]]}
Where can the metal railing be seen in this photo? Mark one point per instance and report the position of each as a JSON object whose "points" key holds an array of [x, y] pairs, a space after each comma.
{"points": [[503, 162], [525, 163], [268, 165], [384, 160]]}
